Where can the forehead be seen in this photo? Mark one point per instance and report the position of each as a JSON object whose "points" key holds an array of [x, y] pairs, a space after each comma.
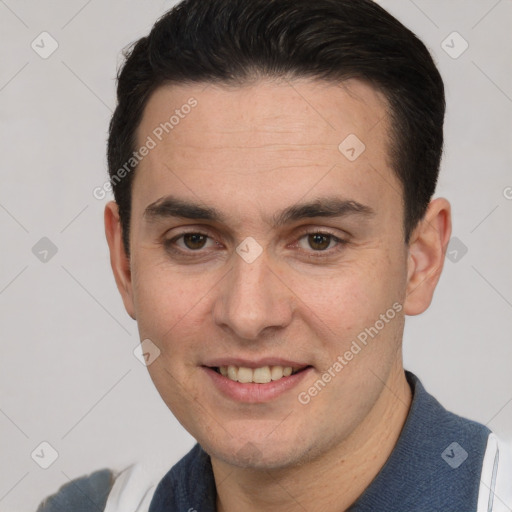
{"points": [[264, 141], [325, 108]]}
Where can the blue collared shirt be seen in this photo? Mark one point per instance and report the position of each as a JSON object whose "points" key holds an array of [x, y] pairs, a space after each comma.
{"points": [[435, 466]]}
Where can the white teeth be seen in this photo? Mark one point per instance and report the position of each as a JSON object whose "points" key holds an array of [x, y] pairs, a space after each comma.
{"points": [[244, 374], [232, 372], [262, 375], [276, 372]]}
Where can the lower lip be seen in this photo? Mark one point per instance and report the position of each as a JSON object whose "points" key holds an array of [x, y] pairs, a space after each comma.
{"points": [[252, 392]]}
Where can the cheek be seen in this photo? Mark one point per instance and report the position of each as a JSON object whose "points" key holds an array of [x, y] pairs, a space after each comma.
{"points": [[350, 303], [162, 298], [356, 292]]}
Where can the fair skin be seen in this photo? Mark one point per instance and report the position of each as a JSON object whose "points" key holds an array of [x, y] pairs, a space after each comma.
{"points": [[250, 152]]}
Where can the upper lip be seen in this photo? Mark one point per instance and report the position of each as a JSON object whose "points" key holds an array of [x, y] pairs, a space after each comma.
{"points": [[259, 363]]}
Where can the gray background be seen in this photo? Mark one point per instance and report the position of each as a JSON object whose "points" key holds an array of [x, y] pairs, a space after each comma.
{"points": [[68, 374]]}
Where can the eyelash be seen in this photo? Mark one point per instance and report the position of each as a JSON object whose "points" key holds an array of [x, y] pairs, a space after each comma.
{"points": [[169, 244]]}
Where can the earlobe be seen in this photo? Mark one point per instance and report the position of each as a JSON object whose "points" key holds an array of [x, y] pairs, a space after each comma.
{"points": [[119, 261], [427, 249]]}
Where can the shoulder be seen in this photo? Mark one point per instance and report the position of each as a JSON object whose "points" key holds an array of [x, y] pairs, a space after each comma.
{"points": [[84, 494], [495, 493], [128, 490], [188, 484], [464, 456], [441, 461]]}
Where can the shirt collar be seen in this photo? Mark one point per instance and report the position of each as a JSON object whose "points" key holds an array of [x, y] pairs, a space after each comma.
{"points": [[418, 475]]}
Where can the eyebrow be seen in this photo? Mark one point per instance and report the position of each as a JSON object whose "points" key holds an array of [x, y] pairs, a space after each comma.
{"points": [[171, 206], [322, 207]]}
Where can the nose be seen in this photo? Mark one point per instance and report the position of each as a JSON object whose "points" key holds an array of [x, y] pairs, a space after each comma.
{"points": [[253, 298]]}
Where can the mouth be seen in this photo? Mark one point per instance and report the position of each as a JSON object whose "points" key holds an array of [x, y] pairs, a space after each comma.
{"points": [[255, 381], [261, 375]]}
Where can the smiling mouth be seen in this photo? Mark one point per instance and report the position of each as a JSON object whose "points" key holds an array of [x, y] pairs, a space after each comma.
{"points": [[262, 375]]}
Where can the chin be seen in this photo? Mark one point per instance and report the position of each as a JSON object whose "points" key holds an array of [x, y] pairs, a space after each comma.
{"points": [[264, 454]]}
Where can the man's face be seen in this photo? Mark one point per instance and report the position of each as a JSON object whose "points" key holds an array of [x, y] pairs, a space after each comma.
{"points": [[248, 154]]}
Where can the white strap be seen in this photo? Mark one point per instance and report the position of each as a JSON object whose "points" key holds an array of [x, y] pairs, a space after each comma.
{"points": [[495, 493], [134, 488]]}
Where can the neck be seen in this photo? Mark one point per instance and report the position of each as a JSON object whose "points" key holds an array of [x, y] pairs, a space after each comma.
{"points": [[331, 482]]}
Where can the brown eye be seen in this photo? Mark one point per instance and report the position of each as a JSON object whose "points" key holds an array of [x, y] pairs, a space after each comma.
{"points": [[319, 241], [194, 241]]}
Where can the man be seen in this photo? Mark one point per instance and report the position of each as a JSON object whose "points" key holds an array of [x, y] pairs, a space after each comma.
{"points": [[273, 164]]}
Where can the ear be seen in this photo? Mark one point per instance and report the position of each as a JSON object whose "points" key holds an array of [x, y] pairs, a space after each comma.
{"points": [[426, 253], [118, 259]]}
